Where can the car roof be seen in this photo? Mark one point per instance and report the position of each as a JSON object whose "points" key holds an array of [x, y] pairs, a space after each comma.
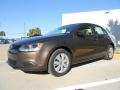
{"points": [[77, 24]]}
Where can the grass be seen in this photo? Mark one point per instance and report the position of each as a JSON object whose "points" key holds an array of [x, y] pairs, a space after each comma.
{"points": [[117, 51]]}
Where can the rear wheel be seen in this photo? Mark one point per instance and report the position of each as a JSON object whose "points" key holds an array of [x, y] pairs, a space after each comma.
{"points": [[59, 63], [109, 53]]}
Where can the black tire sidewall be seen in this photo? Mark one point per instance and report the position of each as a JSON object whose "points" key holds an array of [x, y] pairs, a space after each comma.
{"points": [[51, 69]]}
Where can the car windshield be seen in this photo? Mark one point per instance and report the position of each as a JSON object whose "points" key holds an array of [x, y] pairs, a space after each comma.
{"points": [[60, 30]]}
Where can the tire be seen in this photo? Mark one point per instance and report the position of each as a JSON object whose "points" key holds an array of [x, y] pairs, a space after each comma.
{"points": [[110, 53], [59, 62]]}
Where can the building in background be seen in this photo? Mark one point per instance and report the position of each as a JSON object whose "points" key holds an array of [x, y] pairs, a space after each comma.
{"points": [[109, 19]]}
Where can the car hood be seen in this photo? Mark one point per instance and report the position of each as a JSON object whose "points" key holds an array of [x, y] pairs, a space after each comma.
{"points": [[37, 39]]}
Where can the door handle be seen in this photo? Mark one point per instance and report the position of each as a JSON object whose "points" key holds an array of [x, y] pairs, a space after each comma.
{"points": [[95, 39]]}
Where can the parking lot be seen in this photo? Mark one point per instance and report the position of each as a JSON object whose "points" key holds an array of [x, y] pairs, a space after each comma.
{"points": [[97, 75]]}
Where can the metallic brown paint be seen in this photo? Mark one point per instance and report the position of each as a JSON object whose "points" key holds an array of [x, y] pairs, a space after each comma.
{"points": [[81, 49]]}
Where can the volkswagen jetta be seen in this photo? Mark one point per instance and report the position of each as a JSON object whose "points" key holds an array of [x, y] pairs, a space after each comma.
{"points": [[61, 48]]}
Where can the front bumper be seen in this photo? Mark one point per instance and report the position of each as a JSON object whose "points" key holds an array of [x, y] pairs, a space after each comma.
{"points": [[26, 61]]}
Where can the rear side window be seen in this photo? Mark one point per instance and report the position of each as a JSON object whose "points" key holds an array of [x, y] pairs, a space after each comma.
{"points": [[99, 30], [86, 30]]}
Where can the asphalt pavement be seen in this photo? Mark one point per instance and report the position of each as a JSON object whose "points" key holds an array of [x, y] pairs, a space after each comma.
{"points": [[97, 75]]}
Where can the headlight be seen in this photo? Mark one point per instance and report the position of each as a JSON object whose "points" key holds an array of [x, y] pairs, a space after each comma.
{"points": [[31, 47]]}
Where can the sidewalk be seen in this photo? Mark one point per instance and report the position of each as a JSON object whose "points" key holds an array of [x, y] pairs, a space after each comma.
{"points": [[4, 51]]}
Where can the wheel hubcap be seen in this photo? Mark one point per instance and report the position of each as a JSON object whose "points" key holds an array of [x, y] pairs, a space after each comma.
{"points": [[61, 63]]}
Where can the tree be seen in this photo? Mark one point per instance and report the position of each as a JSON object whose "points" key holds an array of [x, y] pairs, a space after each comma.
{"points": [[34, 32], [2, 33], [115, 29]]}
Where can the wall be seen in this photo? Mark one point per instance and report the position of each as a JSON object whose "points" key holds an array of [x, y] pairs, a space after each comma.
{"points": [[109, 19]]}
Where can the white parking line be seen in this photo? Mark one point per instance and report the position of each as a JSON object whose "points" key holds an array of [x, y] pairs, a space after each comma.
{"points": [[88, 85]]}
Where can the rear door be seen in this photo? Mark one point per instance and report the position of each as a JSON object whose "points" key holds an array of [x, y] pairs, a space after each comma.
{"points": [[84, 43], [102, 40]]}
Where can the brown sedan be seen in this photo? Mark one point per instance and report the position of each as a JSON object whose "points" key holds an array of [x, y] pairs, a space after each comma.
{"points": [[58, 50]]}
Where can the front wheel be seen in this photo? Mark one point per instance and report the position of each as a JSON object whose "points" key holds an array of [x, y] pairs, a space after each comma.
{"points": [[59, 63], [109, 53]]}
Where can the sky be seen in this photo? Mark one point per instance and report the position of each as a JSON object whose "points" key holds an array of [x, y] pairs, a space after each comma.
{"points": [[18, 16]]}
